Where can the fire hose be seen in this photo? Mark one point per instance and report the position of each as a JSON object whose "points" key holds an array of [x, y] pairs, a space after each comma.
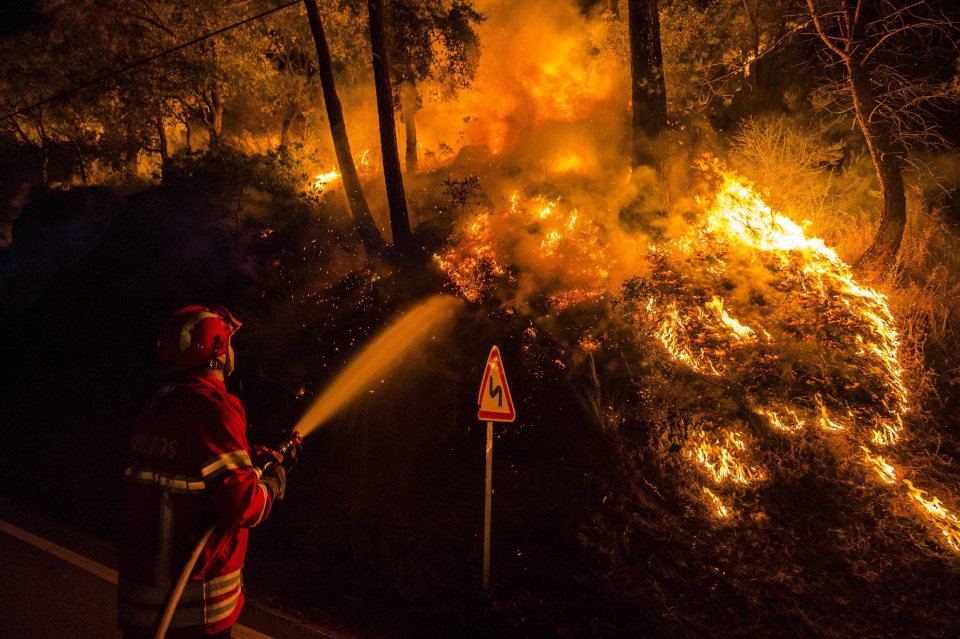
{"points": [[283, 448]]}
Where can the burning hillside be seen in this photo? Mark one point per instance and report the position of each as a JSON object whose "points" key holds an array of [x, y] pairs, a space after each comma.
{"points": [[740, 294], [724, 427]]}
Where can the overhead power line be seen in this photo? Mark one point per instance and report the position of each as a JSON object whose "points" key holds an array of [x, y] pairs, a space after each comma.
{"points": [[112, 74]]}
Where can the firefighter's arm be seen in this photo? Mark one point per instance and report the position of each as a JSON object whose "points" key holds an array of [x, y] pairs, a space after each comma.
{"points": [[234, 490]]}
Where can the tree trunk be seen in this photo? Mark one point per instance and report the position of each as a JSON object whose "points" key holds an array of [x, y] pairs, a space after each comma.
{"points": [[887, 163], [81, 162], [215, 123], [43, 158], [408, 104], [290, 113], [646, 70], [362, 218], [285, 130], [44, 151], [850, 47], [164, 148], [215, 103], [396, 197], [131, 149]]}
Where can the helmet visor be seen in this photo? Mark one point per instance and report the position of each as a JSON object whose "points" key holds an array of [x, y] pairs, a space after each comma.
{"points": [[227, 316]]}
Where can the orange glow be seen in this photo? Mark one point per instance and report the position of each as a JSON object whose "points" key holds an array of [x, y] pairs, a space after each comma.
{"points": [[566, 164], [589, 344]]}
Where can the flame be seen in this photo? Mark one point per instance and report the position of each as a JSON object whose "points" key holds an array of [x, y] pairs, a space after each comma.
{"points": [[719, 509], [720, 457], [737, 214], [549, 243], [843, 375], [554, 240], [738, 330], [673, 334], [824, 419], [514, 201], [676, 333], [738, 217], [547, 210], [887, 432], [886, 472], [472, 264], [944, 520], [782, 424], [323, 179]]}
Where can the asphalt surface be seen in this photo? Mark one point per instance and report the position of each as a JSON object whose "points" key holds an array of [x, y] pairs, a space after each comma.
{"points": [[66, 587]]}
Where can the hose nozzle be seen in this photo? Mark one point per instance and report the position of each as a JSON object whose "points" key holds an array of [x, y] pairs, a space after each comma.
{"points": [[288, 447]]}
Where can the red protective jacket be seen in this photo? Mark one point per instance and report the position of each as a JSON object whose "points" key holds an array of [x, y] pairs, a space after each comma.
{"points": [[189, 466]]}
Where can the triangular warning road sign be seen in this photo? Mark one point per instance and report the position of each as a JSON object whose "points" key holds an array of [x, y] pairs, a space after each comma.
{"points": [[494, 400]]}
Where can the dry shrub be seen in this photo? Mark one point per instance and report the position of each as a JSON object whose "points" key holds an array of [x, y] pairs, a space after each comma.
{"points": [[604, 408], [924, 291], [812, 179]]}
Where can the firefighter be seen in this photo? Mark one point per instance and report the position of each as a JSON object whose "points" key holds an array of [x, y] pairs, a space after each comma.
{"points": [[190, 466]]}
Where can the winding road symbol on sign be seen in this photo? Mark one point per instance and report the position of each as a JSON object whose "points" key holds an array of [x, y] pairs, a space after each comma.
{"points": [[494, 400], [496, 391]]}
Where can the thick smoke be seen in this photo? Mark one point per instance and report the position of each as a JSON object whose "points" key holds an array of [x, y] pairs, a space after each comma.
{"points": [[545, 128]]}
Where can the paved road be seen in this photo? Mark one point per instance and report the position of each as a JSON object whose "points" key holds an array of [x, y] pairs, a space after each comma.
{"points": [[48, 591]]}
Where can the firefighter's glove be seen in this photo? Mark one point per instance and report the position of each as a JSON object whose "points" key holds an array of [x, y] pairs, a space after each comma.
{"points": [[274, 479], [263, 455]]}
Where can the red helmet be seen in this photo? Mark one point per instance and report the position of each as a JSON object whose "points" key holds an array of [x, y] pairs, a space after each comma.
{"points": [[196, 336]]}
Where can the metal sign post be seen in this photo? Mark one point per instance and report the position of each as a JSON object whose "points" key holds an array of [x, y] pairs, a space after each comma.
{"points": [[495, 404], [487, 504]]}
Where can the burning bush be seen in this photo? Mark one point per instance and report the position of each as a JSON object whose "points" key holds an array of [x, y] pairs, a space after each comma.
{"points": [[726, 290]]}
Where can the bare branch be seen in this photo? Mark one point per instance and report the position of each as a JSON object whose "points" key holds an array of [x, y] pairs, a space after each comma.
{"points": [[156, 21], [933, 26], [823, 34], [738, 69]]}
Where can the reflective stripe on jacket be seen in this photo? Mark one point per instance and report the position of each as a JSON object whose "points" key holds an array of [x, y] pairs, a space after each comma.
{"points": [[189, 466]]}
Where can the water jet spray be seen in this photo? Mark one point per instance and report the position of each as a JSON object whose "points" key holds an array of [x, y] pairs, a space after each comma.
{"points": [[383, 354]]}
